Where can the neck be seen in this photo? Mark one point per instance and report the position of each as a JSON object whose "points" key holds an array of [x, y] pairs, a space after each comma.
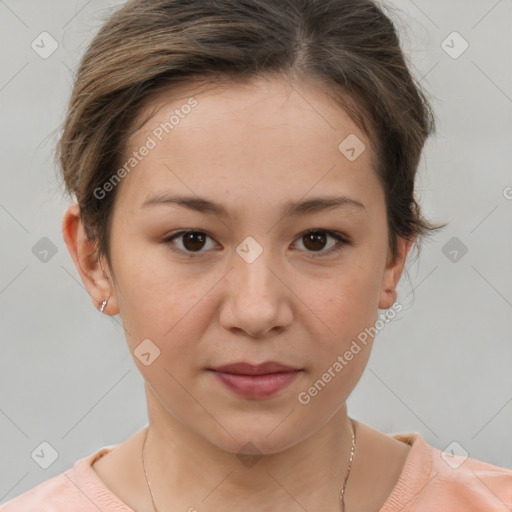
{"points": [[188, 472]]}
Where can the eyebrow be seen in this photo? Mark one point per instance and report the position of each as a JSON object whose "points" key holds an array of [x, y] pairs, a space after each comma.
{"points": [[291, 209]]}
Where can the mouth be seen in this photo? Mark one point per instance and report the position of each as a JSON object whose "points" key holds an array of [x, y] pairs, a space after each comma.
{"points": [[244, 368], [255, 381]]}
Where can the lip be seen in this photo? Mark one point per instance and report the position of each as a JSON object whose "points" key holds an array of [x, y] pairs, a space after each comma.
{"points": [[256, 381], [243, 368]]}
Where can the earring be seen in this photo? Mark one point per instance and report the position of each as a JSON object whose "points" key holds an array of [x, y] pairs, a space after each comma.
{"points": [[103, 304]]}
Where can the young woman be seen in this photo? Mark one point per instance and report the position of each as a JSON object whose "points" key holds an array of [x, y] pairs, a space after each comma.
{"points": [[243, 175]]}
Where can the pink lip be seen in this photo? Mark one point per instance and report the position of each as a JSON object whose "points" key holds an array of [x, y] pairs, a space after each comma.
{"points": [[256, 381], [256, 386], [244, 368]]}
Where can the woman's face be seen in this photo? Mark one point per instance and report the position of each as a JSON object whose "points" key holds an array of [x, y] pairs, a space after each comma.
{"points": [[248, 285]]}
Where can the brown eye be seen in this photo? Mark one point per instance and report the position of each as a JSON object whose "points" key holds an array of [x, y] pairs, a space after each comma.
{"points": [[315, 241], [191, 241]]}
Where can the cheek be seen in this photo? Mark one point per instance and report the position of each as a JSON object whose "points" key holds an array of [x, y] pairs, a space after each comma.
{"points": [[347, 304], [161, 304], [342, 343]]}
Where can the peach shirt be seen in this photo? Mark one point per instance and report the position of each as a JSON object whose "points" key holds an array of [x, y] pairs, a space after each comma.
{"points": [[428, 482]]}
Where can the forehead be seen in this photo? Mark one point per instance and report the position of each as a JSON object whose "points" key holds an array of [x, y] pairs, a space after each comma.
{"points": [[265, 139]]}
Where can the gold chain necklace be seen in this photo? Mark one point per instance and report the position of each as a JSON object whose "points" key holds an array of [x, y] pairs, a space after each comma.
{"points": [[342, 492]]}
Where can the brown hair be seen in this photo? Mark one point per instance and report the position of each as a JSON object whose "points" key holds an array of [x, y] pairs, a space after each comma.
{"points": [[148, 47]]}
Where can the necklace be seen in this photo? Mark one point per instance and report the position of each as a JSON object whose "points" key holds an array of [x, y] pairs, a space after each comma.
{"points": [[342, 492]]}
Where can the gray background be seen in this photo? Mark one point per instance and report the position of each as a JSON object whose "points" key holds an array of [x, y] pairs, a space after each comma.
{"points": [[441, 367]]}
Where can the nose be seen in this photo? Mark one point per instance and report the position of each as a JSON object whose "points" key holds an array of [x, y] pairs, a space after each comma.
{"points": [[258, 298]]}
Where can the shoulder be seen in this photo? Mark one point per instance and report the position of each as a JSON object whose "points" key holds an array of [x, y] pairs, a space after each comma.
{"points": [[477, 484], [78, 488], [442, 480], [54, 493]]}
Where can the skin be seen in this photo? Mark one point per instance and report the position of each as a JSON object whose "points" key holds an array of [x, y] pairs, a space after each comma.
{"points": [[253, 149]]}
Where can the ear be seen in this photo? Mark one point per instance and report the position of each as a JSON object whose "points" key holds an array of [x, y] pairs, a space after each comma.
{"points": [[87, 262], [392, 274]]}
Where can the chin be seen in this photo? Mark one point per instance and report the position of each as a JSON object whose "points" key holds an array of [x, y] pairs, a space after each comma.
{"points": [[253, 436]]}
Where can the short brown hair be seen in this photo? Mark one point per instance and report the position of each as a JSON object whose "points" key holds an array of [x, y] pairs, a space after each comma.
{"points": [[146, 47]]}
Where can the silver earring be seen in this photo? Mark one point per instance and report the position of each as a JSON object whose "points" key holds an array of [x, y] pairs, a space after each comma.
{"points": [[103, 304]]}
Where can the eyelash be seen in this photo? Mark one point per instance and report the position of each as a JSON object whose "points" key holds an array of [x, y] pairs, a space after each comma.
{"points": [[342, 242]]}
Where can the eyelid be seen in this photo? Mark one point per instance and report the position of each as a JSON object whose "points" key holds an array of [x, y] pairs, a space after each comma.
{"points": [[342, 241]]}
